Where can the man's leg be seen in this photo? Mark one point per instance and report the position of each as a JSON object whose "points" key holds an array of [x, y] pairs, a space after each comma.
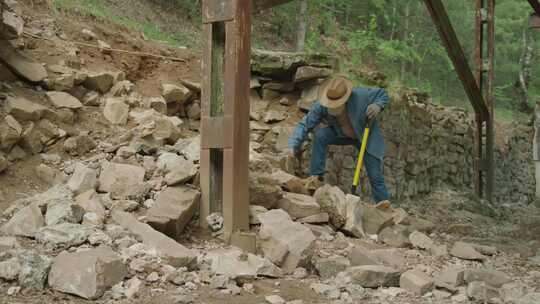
{"points": [[322, 139], [376, 179]]}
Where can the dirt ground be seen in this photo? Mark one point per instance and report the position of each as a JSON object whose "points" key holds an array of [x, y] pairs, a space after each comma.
{"points": [[515, 231]]}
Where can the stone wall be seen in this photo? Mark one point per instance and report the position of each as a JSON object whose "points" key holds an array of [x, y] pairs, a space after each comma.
{"points": [[430, 147]]}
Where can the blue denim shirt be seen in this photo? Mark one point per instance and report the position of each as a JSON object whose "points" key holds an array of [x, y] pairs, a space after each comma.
{"points": [[357, 105]]}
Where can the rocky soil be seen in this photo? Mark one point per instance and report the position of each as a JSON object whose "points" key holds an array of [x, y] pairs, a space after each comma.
{"points": [[99, 157]]}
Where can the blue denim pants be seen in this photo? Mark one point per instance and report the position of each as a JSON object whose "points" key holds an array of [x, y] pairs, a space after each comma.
{"points": [[328, 136]]}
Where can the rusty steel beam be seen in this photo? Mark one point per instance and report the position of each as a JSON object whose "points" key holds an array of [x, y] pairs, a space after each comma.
{"points": [[535, 5], [456, 54], [259, 5]]}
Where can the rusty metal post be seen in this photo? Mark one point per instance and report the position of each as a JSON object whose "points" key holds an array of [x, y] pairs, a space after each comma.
{"points": [[484, 137], [225, 115]]}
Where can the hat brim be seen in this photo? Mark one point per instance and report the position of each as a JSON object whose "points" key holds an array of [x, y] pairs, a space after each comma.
{"points": [[334, 103]]}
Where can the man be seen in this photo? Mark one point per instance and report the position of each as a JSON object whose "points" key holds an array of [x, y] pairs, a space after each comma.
{"points": [[345, 110]]}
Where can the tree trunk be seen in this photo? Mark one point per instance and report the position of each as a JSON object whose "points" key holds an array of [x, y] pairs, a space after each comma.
{"points": [[405, 37], [302, 26], [524, 77]]}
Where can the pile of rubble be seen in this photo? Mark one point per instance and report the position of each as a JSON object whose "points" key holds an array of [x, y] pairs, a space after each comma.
{"points": [[118, 215]]}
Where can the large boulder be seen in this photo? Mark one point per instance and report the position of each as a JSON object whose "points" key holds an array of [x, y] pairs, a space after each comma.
{"points": [[346, 211], [87, 274], [416, 282], [173, 252], [83, 179], [20, 64], [175, 93], [284, 242], [99, 81], [174, 209]]}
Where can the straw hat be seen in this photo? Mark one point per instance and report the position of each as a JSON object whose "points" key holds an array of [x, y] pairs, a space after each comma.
{"points": [[335, 92]]}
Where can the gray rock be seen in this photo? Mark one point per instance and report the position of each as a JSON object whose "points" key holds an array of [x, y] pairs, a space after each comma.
{"points": [[121, 180], [83, 179], [21, 64], [319, 218], [189, 147], [416, 282], [63, 100], [215, 221], [299, 205], [450, 279], [99, 81], [480, 291], [235, 264], [304, 73], [91, 202], [420, 240], [330, 267], [11, 22], [7, 243], [279, 232], [116, 111], [63, 212], [25, 222], [395, 236], [360, 256], [4, 163], [174, 253], [175, 93], [23, 109], [329, 291], [264, 192], [10, 269], [274, 299], [512, 292], [466, 251], [376, 220], [531, 298], [493, 278], [87, 274], [34, 270], [133, 287], [254, 212], [174, 209], [63, 235], [374, 276]]}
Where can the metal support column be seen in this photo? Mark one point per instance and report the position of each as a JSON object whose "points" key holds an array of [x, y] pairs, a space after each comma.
{"points": [[484, 136], [225, 117]]}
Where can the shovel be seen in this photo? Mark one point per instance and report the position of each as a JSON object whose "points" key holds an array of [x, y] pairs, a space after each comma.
{"points": [[360, 162]]}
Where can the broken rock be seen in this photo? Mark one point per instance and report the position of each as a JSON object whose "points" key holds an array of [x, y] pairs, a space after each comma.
{"points": [[64, 100], [25, 222], [116, 111], [175, 93], [374, 276], [121, 180], [450, 279], [87, 274], [8, 243], [299, 205], [23, 109], [63, 235], [395, 236], [83, 179], [466, 251], [480, 291], [416, 282], [235, 264], [34, 270], [420, 240], [174, 209], [330, 267], [99, 81], [9, 269], [174, 253], [491, 277], [277, 228]]}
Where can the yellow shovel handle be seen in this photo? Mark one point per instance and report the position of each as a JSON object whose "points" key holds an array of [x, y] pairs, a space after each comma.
{"points": [[356, 180]]}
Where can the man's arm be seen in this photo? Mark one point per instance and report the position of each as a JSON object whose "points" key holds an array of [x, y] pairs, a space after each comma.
{"points": [[310, 121], [378, 97]]}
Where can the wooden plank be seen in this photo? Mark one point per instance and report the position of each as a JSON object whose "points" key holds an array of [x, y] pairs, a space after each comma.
{"points": [[490, 122], [218, 10], [259, 5], [535, 5], [479, 132], [456, 54], [236, 160], [218, 135]]}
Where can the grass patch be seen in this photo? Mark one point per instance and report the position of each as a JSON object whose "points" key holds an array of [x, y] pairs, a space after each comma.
{"points": [[98, 9]]}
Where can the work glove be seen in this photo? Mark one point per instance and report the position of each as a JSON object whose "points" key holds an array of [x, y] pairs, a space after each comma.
{"points": [[372, 111]]}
